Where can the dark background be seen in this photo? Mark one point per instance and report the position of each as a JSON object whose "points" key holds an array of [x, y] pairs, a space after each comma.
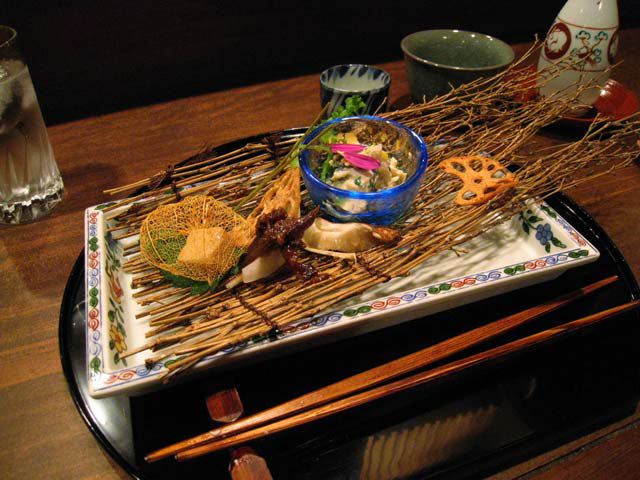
{"points": [[93, 57]]}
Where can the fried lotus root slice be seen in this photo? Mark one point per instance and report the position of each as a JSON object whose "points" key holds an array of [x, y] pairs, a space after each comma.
{"points": [[284, 193], [483, 178]]}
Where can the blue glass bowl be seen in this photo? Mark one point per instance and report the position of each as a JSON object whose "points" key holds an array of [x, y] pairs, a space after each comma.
{"points": [[378, 208]]}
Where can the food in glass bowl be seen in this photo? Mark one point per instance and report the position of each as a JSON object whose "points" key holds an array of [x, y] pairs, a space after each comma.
{"points": [[363, 169]]}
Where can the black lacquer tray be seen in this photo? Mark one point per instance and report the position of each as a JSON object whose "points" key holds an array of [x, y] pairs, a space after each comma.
{"points": [[471, 424]]}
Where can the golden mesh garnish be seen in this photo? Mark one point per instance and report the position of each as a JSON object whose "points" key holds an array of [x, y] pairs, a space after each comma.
{"points": [[284, 193], [483, 178], [199, 238]]}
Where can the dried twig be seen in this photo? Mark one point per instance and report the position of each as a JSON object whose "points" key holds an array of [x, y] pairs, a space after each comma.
{"points": [[484, 116]]}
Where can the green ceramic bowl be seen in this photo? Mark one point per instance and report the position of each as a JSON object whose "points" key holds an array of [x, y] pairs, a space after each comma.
{"points": [[439, 59]]}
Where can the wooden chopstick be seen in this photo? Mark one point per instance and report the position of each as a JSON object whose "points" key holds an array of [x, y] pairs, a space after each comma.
{"points": [[380, 374], [406, 383]]}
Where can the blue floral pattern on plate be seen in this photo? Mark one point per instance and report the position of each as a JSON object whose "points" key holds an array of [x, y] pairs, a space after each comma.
{"points": [[544, 233]]}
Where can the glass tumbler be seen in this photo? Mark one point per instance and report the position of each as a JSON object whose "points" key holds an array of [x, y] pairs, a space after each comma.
{"points": [[30, 182]]}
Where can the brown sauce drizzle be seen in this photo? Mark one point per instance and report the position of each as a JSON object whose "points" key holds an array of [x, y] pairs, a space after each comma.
{"points": [[174, 189], [271, 142], [292, 255], [275, 329], [374, 272]]}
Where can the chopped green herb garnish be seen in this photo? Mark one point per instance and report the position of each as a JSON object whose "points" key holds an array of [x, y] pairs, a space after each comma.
{"points": [[327, 170], [358, 181], [353, 105], [329, 137]]}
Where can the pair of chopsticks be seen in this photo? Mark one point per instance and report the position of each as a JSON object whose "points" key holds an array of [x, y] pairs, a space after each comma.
{"points": [[373, 384]]}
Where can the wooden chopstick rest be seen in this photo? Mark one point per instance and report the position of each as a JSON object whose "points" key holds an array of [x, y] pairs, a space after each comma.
{"points": [[246, 464], [225, 406], [382, 373], [406, 383]]}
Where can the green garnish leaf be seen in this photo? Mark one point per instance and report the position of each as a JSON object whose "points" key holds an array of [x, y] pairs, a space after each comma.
{"points": [[235, 270], [178, 281], [199, 287], [169, 248], [358, 181]]}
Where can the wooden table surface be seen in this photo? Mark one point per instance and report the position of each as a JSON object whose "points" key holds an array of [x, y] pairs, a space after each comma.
{"points": [[43, 436]]}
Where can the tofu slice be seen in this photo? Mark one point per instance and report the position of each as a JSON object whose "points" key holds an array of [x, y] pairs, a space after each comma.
{"points": [[203, 246]]}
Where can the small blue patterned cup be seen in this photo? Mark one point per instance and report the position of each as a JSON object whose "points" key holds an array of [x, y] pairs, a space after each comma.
{"points": [[342, 81]]}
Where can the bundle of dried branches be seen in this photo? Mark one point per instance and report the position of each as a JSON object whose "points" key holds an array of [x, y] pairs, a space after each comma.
{"points": [[487, 116]]}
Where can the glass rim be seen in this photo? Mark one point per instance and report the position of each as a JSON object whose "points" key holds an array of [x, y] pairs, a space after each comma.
{"points": [[384, 82], [410, 51], [13, 34]]}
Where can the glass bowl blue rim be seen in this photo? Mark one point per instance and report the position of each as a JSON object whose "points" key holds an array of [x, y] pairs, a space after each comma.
{"points": [[423, 161]]}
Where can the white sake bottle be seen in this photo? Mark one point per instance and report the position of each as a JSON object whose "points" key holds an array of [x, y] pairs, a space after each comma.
{"points": [[585, 37]]}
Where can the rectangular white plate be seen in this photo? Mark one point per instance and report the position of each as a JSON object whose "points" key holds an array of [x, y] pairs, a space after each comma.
{"points": [[533, 247]]}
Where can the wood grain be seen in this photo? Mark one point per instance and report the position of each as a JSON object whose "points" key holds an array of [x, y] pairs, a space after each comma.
{"points": [[607, 460], [134, 53], [103, 151]]}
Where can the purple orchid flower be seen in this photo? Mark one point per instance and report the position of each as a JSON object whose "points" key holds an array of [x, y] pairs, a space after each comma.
{"points": [[351, 153]]}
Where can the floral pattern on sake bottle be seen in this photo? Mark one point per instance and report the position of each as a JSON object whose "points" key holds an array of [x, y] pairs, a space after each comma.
{"points": [[584, 36]]}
